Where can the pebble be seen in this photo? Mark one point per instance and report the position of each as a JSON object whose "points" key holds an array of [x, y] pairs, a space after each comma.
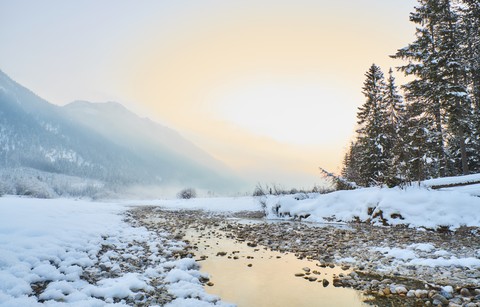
{"points": [[440, 299], [401, 290], [465, 292]]}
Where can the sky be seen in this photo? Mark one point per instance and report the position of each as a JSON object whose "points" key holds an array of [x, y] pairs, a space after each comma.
{"points": [[270, 88]]}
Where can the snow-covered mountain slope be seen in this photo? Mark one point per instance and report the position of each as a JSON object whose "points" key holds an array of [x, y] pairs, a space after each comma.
{"points": [[146, 138], [113, 145]]}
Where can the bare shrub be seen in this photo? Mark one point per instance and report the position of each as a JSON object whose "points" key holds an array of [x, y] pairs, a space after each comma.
{"points": [[187, 193]]}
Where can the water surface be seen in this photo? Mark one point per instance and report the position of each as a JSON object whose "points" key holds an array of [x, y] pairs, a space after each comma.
{"points": [[261, 277]]}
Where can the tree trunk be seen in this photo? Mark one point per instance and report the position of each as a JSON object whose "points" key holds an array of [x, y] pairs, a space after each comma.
{"points": [[440, 145]]}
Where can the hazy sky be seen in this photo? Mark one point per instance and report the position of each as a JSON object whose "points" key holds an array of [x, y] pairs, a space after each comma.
{"points": [[271, 88]]}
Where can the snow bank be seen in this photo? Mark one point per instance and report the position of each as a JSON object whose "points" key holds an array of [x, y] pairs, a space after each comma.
{"points": [[217, 204], [413, 206], [451, 180]]}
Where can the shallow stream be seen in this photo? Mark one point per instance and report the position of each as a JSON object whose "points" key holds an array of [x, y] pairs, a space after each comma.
{"points": [[249, 275]]}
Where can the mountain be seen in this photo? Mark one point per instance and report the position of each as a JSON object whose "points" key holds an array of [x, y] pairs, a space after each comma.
{"points": [[99, 141]]}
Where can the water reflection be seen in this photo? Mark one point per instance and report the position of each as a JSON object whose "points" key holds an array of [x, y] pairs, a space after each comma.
{"points": [[253, 276]]}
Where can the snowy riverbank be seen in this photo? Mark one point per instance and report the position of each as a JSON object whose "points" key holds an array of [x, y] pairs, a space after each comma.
{"points": [[413, 207], [79, 252], [85, 253]]}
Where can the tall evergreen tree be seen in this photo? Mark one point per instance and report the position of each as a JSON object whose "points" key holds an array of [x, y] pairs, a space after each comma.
{"points": [[469, 25], [395, 133], [454, 93], [434, 60], [370, 165]]}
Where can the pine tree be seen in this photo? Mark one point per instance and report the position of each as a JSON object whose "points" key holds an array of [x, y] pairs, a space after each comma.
{"points": [[372, 142], [454, 96], [393, 126], [427, 61], [469, 27], [351, 171]]}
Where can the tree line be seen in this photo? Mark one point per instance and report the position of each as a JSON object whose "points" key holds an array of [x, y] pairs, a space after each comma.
{"points": [[432, 129]]}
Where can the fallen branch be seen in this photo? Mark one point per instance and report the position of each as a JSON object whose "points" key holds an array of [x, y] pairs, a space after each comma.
{"points": [[338, 180]]}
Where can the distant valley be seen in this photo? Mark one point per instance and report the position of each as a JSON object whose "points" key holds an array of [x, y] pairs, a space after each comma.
{"points": [[95, 150]]}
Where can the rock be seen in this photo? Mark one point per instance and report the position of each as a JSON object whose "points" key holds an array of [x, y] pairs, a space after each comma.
{"points": [[249, 265], [454, 305], [210, 284], [374, 282], [447, 291], [331, 265], [411, 293], [325, 283], [306, 269], [337, 282], [456, 300], [299, 274], [387, 291], [421, 293], [104, 268], [440, 298], [312, 278], [465, 292], [221, 253], [401, 290]]}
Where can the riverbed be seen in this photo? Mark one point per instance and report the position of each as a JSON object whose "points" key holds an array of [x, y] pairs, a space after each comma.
{"points": [[284, 263]]}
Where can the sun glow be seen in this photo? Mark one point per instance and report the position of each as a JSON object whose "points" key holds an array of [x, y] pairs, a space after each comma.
{"points": [[293, 112]]}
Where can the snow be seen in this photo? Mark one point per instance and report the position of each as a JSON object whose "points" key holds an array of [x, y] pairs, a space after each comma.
{"points": [[398, 253], [451, 180], [218, 204], [469, 262], [412, 206], [423, 247], [57, 242]]}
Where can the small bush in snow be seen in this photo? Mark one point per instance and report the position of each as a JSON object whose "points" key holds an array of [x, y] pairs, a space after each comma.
{"points": [[187, 193]]}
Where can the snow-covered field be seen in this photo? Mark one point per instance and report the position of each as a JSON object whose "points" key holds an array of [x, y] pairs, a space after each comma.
{"points": [[84, 254]]}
